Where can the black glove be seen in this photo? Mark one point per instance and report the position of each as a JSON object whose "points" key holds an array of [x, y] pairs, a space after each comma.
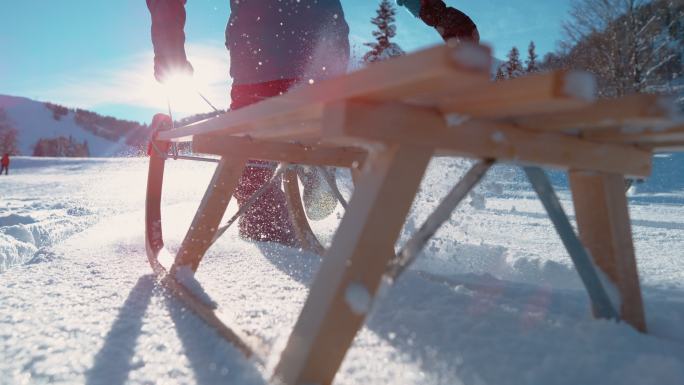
{"points": [[167, 66], [448, 21], [168, 38]]}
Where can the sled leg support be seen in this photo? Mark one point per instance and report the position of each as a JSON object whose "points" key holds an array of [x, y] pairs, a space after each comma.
{"points": [[602, 215], [306, 237], [211, 210], [603, 221], [351, 272]]}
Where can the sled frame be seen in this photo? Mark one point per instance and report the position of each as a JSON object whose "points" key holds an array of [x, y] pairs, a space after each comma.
{"points": [[386, 122]]}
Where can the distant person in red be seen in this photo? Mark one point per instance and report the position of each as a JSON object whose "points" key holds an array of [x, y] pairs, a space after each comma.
{"points": [[5, 164], [275, 44]]}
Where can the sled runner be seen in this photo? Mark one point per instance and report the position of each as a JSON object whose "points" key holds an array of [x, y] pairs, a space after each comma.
{"points": [[385, 122]]}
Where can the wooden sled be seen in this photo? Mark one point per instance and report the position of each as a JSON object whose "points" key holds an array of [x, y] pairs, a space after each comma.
{"points": [[386, 122]]}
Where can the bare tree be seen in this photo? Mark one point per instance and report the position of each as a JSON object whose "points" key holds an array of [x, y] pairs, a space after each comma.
{"points": [[632, 45], [8, 135]]}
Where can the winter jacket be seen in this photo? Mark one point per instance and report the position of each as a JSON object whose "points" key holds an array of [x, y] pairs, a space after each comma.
{"points": [[287, 39], [5, 161]]}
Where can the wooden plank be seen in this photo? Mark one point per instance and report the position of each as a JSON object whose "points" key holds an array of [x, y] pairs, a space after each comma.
{"points": [[351, 272], [348, 123], [306, 237], [213, 206], [605, 229], [437, 70], [542, 93], [647, 135], [666, 147], [280, 110], [278, 151], [633, 110]]}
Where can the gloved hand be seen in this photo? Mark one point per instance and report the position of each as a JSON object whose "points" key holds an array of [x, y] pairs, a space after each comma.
{"points": [[167, 66], [448, 21], [168, 38], [455, 24]]}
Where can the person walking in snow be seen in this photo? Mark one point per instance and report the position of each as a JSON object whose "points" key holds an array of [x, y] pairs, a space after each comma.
{"points": [[4, 164], [275, 44]]}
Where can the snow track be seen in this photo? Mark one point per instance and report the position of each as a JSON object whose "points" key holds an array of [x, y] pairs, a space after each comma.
{"points": [[494, 299]]}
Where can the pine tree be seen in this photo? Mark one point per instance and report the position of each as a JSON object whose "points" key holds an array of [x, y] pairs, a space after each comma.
{"points": [[532, 57], [383, 47], [514, 67], [500, 74]]}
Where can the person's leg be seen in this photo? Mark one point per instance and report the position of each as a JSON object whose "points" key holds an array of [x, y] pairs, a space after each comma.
{"points": [[268, 218]]}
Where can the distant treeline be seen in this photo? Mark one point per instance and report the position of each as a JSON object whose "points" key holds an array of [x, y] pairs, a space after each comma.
{"points": [[61, 147], [8, 135], [133, 133], [632, 46]]}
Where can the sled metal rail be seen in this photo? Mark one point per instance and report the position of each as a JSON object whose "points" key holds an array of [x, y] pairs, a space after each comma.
{"points": [[386, 122]]}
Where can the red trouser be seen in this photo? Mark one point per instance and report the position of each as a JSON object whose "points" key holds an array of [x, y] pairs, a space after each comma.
{"points": [[268, 218]]}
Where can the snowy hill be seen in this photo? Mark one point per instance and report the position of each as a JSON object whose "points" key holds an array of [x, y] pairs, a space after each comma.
{"points": [[35, 120]]}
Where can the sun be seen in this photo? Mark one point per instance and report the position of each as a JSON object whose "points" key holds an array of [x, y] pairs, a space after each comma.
{"points": [[180, 93]]}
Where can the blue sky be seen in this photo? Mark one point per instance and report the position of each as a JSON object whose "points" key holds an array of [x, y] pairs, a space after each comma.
{"points": [[97, 54]]}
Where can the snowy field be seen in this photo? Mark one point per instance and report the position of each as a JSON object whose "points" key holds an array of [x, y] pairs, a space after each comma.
{"points": [[493, 300]]}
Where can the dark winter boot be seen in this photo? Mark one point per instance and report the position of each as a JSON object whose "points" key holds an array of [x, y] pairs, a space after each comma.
{"points": [[267, 220]]}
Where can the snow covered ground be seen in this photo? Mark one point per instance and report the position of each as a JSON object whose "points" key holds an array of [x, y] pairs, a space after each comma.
{"points": [[493, 300]]}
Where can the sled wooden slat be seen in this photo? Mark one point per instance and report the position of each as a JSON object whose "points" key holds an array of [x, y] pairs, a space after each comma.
{"points": [[648, 135], [278, 151], [633, 110], [350, 122], [283, 117], [542, 93], [667, 147], [441, 70], [287, 117], [605, 229]]}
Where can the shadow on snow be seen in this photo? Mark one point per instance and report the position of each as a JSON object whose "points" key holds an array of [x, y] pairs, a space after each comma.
{"points": [[212, 359]]}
